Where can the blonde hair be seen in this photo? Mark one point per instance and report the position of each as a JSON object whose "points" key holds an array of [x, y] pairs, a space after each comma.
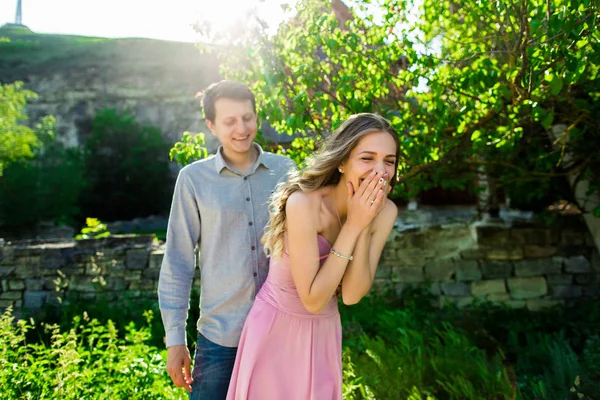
{"points": [[321, 170]]}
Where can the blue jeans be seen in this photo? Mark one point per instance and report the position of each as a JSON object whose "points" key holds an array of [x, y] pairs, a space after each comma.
{"points": [[213, 365]]}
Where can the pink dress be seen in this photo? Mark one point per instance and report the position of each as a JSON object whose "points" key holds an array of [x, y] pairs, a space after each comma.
{"points": [[285, 352]]}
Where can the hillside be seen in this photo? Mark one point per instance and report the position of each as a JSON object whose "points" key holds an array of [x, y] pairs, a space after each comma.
{"points": [[77, 75]]}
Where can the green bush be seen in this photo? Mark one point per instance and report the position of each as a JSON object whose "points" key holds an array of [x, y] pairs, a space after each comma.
{"points": [[46, 188], [87, 361], [127, 167]]}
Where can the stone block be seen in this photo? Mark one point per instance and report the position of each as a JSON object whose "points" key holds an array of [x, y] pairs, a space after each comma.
{"points": [[577, 265], [144, 284], [456, 289], [410, 258], [537, 236], [131, 276], [591, 291], [35, 299], [52, 259], [527, 288], [536, 267], [533, 251], [473, 254], [435, 289], [439, 270], [386, 272], [156, 258], [11, 295], [4, 304], [34, 284], [565, 291], [408, 274], [572, 238], [583, 279], [4, 285], [137, 259], [467, 270], [498, 298], [543, 304], [516, 304], [26, 271], [115, 284], [563, 279], [83, 284], [7, 255], [491, 235], [488, 287], [505, 254], [16, 285], [496, 269], [460, 302], [6, 271]]}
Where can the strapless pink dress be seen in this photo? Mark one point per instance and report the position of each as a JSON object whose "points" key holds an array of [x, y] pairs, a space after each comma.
{"points": [[285, 352]]}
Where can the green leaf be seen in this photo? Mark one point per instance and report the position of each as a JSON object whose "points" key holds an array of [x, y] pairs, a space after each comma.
{"points": [[556, 85]]}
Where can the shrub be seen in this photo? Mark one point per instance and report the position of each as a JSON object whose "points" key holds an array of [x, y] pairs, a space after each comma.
{"points": [[88, 360], [128, 168], [46, 188]]}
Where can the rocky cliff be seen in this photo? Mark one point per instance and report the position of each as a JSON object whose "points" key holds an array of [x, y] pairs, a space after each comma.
{"points": [[76, 76]]}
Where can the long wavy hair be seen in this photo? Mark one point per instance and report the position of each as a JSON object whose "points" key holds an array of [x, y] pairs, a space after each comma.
{"points": [[322, 170]]}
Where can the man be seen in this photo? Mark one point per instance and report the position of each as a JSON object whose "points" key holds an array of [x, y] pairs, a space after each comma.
{"points": [[221, 205]]}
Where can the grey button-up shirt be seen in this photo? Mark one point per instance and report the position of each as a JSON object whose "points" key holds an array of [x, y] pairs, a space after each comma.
{"points": [[224, 212]]}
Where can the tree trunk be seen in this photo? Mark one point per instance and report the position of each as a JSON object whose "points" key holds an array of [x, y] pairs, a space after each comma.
{"points": [[587, 202]]}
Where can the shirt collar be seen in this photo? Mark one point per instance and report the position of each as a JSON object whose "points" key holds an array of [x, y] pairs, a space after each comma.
{"points": [[220, 162]]}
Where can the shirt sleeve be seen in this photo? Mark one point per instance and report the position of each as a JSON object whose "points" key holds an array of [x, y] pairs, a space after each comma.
{"points": [[177, 268]]}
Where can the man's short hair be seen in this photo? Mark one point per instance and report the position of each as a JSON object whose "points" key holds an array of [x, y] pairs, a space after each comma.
{"points": [[225, 89]]}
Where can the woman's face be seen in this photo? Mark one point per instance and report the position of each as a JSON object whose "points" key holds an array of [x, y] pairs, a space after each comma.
{"points": [[376, 151]]}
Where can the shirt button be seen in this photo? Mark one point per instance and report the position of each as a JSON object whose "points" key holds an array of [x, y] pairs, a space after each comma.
{"points": [[250, 223], [247, 198], [253, 247], [255, 274]]}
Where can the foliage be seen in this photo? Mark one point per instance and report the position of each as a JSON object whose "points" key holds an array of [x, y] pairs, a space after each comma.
{"points": [[412, 349], [190, 148], [94, 229], [19, 142], [468, 85], [392, 348], [127, 168], [46, 187], [88, 360]]}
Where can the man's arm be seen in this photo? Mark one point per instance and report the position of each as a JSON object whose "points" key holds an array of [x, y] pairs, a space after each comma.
{"points": [[176, 277]]}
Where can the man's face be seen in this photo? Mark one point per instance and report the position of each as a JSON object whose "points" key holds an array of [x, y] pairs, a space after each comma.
{"points": [[234, 125]]}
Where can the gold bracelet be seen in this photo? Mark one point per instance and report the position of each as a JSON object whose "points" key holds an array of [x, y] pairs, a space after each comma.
{"points": [[350, 258]]}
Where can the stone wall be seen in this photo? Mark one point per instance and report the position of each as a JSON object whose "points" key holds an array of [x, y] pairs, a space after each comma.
{"points": [[36, 273], [523, 266]]}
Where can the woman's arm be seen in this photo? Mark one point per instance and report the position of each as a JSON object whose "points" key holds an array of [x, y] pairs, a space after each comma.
{"points": [[360, 273], [316, 285]]}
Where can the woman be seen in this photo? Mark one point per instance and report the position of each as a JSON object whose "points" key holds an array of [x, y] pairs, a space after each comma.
{"points": [[328, 226]]}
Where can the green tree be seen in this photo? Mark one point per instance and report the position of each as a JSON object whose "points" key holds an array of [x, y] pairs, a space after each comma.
{"points": [[127, 168], [46, 187], [508, 88], [18, 141]]}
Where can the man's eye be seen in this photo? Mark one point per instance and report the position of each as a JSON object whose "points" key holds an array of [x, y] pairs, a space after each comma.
{"points": [[366, 159]]}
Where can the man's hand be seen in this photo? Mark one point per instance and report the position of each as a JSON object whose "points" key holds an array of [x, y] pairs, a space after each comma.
{"points": [[178, 366]]}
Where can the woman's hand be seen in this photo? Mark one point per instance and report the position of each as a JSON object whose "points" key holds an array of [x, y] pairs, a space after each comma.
{"points": [[365, 203]]}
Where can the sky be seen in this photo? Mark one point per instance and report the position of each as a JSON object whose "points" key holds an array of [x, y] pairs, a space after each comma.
{"points": [[157, 19]]}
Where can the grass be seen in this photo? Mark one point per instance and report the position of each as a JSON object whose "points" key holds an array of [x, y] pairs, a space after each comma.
{"points": [[393, 348], [26, 52]]}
